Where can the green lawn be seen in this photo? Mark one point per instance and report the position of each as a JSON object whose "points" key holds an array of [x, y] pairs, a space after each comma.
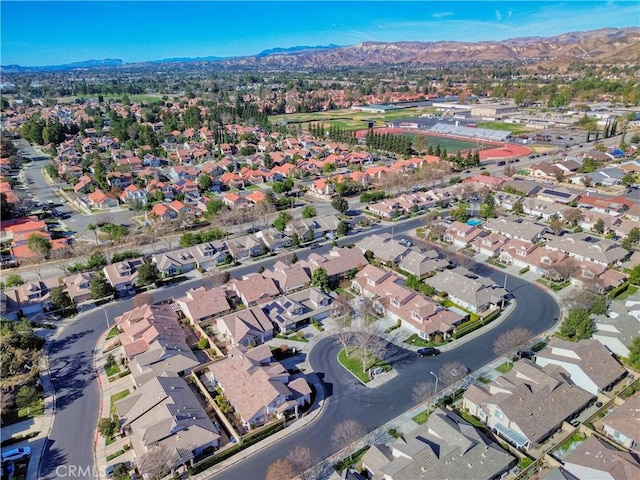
{"points": [[504, 367], [416, 341], [112, 369], [118, 396], [19, 414], [113, 332], [293, 337], [421, 417], [354, 365], [495, 263], [511, 127], [631, 290], [470, 418]]}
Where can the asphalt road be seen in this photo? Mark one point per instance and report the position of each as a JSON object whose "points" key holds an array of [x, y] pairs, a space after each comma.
{"points": [[347, 399]]}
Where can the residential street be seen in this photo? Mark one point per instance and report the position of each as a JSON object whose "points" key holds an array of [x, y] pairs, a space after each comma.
{"points": [[77, 400]]}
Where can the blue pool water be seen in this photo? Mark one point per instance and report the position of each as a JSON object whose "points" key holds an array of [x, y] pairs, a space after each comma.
{"points": [[474, 221]]}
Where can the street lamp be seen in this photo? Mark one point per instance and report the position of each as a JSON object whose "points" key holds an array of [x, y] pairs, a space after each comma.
{"points": [[106, 317], [436, 380]]}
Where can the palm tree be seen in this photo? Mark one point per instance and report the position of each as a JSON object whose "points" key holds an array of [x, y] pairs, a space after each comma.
{"points": [[94, 228]]}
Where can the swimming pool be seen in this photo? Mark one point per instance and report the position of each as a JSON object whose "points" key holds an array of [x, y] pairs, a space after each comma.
{"points": [[474, 222]]}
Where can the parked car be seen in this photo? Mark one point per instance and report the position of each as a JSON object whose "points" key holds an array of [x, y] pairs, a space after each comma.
{"points": [[427, 352], [15, 454], [112, 468], [314, 246], [459, 372], [527, 354]]}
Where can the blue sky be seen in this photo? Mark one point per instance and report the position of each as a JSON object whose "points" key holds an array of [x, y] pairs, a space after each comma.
{"points": [[57, 32]]}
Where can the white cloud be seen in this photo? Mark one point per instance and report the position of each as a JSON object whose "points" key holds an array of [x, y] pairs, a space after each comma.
{"points": [[441, 14], [498, 15]]}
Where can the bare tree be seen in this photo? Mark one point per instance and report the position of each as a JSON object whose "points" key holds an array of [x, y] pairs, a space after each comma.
{"points": [[218, 277], [281, 469], [344, 335], [341, 305], [346, 433], [584, 297], [572, 215], [561, 270], [512, 341], [451, 372], [157, 462], [145, 298], [556, 225], [368, 345], [422, 391], [302, 459]]}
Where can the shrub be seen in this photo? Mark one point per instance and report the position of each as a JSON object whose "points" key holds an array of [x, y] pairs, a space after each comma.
{"points": [[523, 270]]}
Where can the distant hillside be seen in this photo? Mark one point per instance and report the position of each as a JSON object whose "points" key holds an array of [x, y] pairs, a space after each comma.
{"points": [[621, 45], [604, 45]]}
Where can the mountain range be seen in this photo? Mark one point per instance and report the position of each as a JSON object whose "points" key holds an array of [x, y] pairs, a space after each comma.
{"points": [[603, 45]]}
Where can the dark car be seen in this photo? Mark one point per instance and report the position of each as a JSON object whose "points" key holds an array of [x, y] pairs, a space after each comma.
{"points": [[427, 352], [527, 354]]}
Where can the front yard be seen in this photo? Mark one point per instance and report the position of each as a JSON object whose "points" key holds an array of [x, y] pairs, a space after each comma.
{"points": [[354, 364]]}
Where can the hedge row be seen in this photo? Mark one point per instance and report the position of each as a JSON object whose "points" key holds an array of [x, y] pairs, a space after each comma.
{"points": [[619, 290], [523, 270], [470, 327]]}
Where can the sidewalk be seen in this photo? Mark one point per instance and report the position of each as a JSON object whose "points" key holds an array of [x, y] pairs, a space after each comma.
{"points": [[107, 390]]}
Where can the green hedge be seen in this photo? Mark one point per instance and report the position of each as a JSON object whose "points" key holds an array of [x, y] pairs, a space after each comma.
{"points": [[523, 270], [471, 326], [19, 438], [619, 290]]}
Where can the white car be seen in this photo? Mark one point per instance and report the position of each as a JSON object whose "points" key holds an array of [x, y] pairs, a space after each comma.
{"points": [[15, 454]]}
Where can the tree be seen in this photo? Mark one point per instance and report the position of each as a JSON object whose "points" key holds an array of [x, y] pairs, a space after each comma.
{"points": [[309, 212], [422, 391], [632, 239], [281, 469], [512, 341], [13, 280], [556, 225], [100, 288], [634, 352], [26, 397], [61, 299], [572, 215], [320, 279], [108, 427], [561, 270], [598, 227], [451, 372], [343, 229], [346, 433], [302, 459], [340, 204], [577, 326], [488, 207], [205, 183], [39, 244], [147, 274], [155, 463], [281, 221], [634, 275]]}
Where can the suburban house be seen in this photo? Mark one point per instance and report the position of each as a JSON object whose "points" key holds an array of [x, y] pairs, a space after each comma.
{"points": [[461, 234], [79, 289], [623, 425], [144, 325], [595, 458], [273, 239], [288, 278], [338, 263], [583, 246], [165, 412], [446, 446], [421, 264], [528, 404], [244, 247], [292, 311], [163, 356], [472, 293], [122, 275], [30, 298], [204, 305], [515, 228], [204, 256], [253, 288], [590, 364], [384, 247], [133, 193], [100, 200], [259, 387], [246, 327], [606, 205], [417, 313]]}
